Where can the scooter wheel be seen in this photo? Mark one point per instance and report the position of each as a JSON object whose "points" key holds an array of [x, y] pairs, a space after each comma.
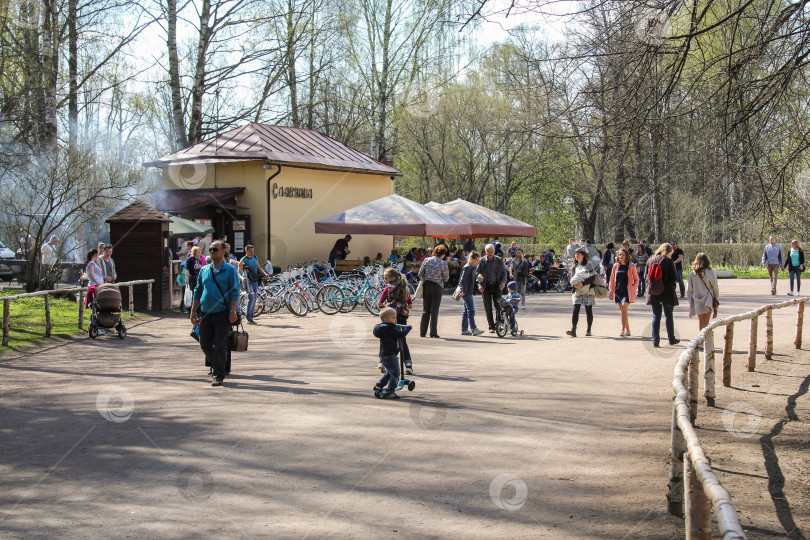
{"points": [[411, 386], [376, 393]]}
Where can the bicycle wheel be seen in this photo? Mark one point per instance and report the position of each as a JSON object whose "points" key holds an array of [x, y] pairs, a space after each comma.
{"points": [[296, 303], [562, 284], [371, 300], [311, 294], [330, 299], [500, 328], [350, 300]]}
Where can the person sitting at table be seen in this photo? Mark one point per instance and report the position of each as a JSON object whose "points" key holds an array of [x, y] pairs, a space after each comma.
{"points": [[411, 256], [541, 268], [394, 257]]}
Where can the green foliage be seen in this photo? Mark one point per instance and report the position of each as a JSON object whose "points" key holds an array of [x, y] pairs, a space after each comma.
{"points": [[27, 319]]}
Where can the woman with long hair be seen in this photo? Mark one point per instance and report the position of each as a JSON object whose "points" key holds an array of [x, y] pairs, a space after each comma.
{"points": [[665, 302], [582, 275], [434, 273], [702, 290], [467, 284], [623, 286], [795, 265], [395, 295]]}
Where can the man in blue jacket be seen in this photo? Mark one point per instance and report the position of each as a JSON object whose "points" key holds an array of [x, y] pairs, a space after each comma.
{"points": [[217, 298]]}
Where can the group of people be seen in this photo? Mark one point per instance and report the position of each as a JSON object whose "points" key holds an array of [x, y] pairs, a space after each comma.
{"points": [[774, 259]]}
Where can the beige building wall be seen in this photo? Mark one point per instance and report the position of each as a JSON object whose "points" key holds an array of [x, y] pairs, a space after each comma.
{"points": [[292, 219]]}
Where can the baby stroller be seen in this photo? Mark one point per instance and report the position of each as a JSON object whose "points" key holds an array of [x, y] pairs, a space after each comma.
{"points": [[106, 311], [505, 320]]}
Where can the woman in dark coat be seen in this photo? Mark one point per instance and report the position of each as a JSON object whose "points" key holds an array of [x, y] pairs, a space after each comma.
{"points": [[665, 302]]}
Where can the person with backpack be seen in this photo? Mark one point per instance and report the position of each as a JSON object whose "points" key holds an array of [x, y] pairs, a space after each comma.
{"points": [[661, 295], [250, 272]]}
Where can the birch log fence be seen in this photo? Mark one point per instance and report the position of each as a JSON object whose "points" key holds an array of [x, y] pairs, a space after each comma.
{"points": [[81, 291], [693, 487]]}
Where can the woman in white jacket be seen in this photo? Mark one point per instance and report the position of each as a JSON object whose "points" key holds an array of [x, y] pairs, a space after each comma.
{"points": [[581, 280], [702, 290]]}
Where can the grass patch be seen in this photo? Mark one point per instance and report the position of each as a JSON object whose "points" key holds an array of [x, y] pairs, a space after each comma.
{"points": [[27, 319], [752, 272]]}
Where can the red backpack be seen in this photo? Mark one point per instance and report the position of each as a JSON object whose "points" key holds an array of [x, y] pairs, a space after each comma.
{"points": [[655, 278]]}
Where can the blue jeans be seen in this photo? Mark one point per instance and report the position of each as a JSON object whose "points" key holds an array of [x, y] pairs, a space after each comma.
{"points": [[468, 317], [680, 281], [798, 275], [253, 291], [656, 325], [391, 377], [642, 284]]}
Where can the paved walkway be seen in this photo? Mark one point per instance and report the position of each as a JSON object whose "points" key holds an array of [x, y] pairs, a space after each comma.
{"points": [[541, 437]]}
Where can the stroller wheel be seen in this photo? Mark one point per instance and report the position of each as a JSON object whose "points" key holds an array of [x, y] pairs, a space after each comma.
{"points": [[411, 386], [122, 331], [92, 331], [521, 333]]}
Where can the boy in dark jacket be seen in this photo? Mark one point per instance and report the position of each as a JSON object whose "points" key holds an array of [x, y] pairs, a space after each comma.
{"points": [[389, 336]]}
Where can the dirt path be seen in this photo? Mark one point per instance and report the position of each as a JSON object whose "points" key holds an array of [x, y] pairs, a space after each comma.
{"points": [[541, 437]]}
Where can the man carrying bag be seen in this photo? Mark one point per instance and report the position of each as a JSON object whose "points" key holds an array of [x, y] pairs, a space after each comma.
{"points": [[217, 296]]}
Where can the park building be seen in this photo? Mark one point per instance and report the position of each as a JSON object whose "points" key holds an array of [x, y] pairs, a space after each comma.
{"points": [[267, 185]]}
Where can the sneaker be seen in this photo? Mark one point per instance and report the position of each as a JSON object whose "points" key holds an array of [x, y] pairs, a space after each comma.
{"points": [[522, 307], [674, 341], [627, 333], [790, 293], [216, 381], [588, 333], [572, 332], [101, 332], [491, 330], [622, 334], [477, 332], [377, 388], [408, 370], [466, 333], [773, 291]]}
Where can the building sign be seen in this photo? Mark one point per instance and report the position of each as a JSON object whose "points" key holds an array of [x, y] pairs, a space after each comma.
{"points": [[239, 241], [291, 192], [239, 225]]}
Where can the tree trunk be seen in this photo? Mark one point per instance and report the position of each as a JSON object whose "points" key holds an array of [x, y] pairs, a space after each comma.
{"points": [[73, 75], [178, 123], [198, 86], [291, 75], [50, 65]]}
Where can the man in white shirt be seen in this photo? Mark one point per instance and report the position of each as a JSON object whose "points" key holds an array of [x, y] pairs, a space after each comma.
{"points": [[48, 251]]}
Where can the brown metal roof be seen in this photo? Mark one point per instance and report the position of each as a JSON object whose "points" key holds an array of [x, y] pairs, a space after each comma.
{"points": [[181, 200], [138, 211], [278, 144]]}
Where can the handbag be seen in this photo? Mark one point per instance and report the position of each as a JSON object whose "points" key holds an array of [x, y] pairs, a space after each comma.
{"points": [[237, 339], [419, 291], [457, 293], [715, 301], [187, 298], [598, 287]]}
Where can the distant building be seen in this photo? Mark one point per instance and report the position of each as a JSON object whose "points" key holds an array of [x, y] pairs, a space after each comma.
{"points": [[267, 185]]}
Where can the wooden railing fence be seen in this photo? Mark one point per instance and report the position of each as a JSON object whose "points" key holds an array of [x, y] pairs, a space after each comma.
{"points": [[693, 487], [81, 290]]}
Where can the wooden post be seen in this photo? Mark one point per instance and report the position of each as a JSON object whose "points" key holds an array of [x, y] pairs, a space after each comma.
{"points": [[698, 508], [81, 307], [131, 302], [47, 316], [6, 309], [752, 344], [149, 296], [677, 449], [727, 348], [692, 385], [769, 334], [799, 324], [708, 368]]}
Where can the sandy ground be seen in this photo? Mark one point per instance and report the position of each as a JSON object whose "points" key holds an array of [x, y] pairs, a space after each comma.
{"points": [[541, 437]]}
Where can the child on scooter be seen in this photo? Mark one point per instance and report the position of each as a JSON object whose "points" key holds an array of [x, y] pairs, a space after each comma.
{"points": [[389, 336], [395, 295]]}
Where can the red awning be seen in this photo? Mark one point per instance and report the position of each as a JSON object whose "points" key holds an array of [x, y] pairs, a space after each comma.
{"points": [[394, 215], [483, 221]]}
